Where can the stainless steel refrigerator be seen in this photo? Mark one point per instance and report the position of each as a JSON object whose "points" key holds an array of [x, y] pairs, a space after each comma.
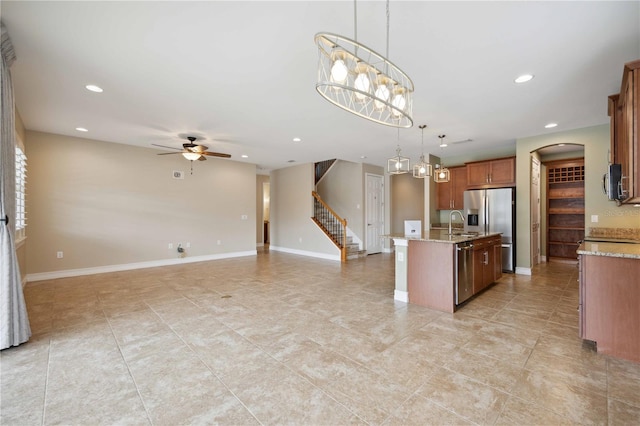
{"points": [[493, 210]]}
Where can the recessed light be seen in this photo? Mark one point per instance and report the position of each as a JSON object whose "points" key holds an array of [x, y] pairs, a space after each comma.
{"points": [[550, 125], [244, 156], [363, 157], [81, 129], [524, 78], [94, 88], [297, 140]]}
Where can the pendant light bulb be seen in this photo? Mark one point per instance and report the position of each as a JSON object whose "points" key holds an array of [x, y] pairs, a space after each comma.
{"points": [[339, 71]]}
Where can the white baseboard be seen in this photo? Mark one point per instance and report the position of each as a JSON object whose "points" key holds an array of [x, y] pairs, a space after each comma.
{"points": [[401, 296], [523, 271], [130, 266], [388, 250], [306, 253]]}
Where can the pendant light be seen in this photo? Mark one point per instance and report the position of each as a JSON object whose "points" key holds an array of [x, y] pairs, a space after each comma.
{"points": [[441, 174], [422, 169], [398, 165], [361, 81]]}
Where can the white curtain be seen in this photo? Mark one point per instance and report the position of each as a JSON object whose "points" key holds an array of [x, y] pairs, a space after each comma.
{"points": [[14, 322]]}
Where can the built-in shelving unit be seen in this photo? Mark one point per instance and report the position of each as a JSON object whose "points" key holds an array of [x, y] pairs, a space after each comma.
{"points": [[565, 208]]}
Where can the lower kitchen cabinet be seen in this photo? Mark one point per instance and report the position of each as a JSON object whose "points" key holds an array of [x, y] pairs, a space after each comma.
{"points": [[487, 260], [610, 304]]}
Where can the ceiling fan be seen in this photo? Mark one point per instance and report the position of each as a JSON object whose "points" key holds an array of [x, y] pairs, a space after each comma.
{"points": [[192, 151]]}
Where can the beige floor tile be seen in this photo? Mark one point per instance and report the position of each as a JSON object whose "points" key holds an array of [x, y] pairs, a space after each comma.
{"points": [[306, 341], [555, 393], [418, 410], [464, 396], [519, 412]]}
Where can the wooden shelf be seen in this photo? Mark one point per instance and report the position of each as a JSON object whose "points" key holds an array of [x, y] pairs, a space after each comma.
{"points": [[565, 207]]}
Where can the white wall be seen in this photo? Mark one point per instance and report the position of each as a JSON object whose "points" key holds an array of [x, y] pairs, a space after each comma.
{"points": [[292, 229], [111, 204]]}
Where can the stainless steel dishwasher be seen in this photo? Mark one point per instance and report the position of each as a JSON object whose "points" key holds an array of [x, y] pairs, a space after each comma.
{"points": [[464, 271]]}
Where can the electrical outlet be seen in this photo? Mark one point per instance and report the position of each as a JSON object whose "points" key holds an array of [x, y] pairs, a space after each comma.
{"points": [[219, 242], [187, 245], [594, 218], [244, 217], [400, 256], [59, 255], [170, 246], [300, 239]]}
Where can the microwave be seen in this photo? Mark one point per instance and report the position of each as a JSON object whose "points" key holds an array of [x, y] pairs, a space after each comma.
{"points": [[612, 182]]}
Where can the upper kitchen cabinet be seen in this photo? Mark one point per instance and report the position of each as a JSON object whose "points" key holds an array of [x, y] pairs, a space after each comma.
{"points": [[498, 173], [624, 111], [450, 195]]}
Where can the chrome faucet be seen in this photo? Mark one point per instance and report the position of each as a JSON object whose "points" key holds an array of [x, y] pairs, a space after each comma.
{"points": [[451, 218]]}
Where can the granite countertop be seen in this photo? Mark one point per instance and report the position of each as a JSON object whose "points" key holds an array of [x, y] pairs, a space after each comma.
{"points": [[627, 250], [442, 236]]}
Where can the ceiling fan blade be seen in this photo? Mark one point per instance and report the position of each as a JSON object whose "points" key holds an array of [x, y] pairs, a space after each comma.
{"points": [[216, 154], [202, 158], [168, 147], [170, 153]]}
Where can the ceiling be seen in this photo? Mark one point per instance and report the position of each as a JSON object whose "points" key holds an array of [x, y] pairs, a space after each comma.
{"points": [[241, 75]]}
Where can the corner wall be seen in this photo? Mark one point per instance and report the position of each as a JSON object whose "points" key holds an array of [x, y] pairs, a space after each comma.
{"points": [[105, 204], [596, 141]]}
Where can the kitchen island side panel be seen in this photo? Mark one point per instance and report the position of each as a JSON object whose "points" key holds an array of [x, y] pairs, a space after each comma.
{"points": [[431, 275], [612, 305]]}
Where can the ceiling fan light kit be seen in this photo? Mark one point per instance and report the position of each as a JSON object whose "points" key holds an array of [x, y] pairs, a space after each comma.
{"points": [[363, 82], [192, 151]]}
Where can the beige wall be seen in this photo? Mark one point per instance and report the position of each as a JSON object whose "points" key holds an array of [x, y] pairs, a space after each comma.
{"points": [[407, 201], [291, 210], [596, 153], [112, 204]]}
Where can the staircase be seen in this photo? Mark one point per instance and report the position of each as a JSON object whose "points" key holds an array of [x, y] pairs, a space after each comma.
{"points": [[335, 228]]}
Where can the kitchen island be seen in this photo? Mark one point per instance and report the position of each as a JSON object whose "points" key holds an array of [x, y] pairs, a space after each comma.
{"points": [[610, 297], [429, 272]]}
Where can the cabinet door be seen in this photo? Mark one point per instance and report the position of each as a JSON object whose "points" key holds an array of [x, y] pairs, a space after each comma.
{"points": [[502, 171], [488, 272], [459, 179], [477, 174], [443, 195], [625, 136], [478, 270], [497, 260]]}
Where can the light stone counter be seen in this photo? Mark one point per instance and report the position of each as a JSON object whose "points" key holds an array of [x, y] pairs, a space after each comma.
{"points": [[626, 250], [442, 236]]}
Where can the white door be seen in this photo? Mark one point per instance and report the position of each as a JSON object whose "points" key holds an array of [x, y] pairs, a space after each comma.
{"points": [[535, 211], [375, 212]]}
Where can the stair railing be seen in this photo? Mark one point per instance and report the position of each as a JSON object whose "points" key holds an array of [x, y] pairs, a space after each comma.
{"points": [[331, 223]]}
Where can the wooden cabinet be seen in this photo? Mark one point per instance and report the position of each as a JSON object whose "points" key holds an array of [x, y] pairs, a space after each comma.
{"points": [[450, 195], [498, 173], [497, 260], [484, 262], [609, 300], [624, 112], [565, 208]]}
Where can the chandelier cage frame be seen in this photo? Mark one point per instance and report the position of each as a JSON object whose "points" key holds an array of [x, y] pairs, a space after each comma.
{"points": [[373, 88], [422, 168]]}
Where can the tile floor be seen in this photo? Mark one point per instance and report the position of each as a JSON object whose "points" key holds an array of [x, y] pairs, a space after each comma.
{"points": [[285, 339]]}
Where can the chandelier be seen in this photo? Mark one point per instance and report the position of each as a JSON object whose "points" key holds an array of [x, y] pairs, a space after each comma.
{"points": [[363, 82], [422, 169], [398, 165]]}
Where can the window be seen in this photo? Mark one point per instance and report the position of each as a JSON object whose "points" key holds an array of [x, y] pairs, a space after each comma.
{"points": [[21, 180]]}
